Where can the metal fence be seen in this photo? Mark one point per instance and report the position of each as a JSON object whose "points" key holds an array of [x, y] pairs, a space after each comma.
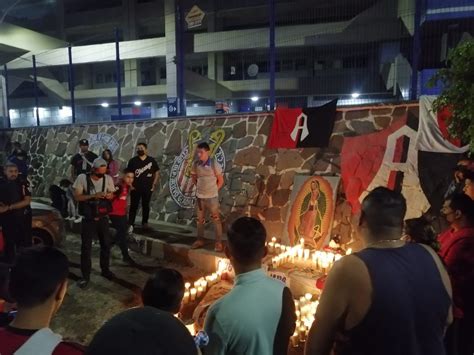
{"points": [[88, 61]]}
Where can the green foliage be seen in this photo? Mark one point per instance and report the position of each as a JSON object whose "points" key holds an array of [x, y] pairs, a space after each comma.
{"points": [[457, 80]]}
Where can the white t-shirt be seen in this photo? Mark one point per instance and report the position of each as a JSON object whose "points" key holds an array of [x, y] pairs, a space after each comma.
{"points": [[80, 184]]}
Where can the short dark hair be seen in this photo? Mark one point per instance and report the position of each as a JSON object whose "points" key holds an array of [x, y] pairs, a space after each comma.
{"points": [[36, 274], [420, 230], [128, 171], [246, 238], [468, 174], [65, 183], [164, 290], [9, 164], [383, 209], [464, 204], [204, 145], [143, 144]]}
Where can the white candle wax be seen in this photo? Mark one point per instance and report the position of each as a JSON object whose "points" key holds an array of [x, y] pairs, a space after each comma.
{"points": [[187, 285], [193, 293], [199, 291], [186, 297]]}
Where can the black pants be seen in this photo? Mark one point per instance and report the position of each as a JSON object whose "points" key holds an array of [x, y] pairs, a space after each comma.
{"points": [[90, 229], [16, 231], [120, 224], [135, 197]]}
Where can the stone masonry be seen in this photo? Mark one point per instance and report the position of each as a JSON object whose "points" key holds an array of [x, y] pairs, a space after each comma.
{"points": [[258, 180]]}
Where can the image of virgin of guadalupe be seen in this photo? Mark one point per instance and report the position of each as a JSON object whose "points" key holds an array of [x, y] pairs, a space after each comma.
{"points": [[313, 209]]}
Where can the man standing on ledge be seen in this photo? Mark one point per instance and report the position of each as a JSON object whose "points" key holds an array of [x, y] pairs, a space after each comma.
{"points": [[208, 178], [147, 174], [81, 163]]}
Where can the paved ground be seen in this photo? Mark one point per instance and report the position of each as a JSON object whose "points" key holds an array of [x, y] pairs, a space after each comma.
{"points": [[84, 311]]}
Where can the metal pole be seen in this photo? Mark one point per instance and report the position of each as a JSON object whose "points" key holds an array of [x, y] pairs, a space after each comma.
{"points": [[35, 88], [272, 54], [118, 73], [416, 50], [180, 58], [71, 84], [7, 101]]}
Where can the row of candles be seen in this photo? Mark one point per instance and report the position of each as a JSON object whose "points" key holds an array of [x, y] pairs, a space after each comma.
{"points": [[300, 256], [305, 309], [199, 288]]}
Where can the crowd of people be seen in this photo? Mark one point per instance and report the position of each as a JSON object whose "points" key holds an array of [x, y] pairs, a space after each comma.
{"points": [[409, 291]]}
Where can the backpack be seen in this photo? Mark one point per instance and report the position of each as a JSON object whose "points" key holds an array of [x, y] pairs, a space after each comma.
{"points": [[95, 208]]}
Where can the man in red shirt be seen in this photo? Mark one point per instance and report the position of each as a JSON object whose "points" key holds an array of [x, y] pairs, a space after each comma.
{"points": [[457, 252], [38, 283], [118, 216]]}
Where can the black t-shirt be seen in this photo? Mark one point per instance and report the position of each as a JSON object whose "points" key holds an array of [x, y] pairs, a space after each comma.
{"points": [[144, 172], [12, 192], [82, 166]]}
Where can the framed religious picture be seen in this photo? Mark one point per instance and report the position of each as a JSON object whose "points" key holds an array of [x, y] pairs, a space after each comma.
{"points": [[311, 212]]}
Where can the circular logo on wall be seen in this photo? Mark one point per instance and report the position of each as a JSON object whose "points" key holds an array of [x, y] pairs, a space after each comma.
{"points": [[101, 141], [181, 185]]}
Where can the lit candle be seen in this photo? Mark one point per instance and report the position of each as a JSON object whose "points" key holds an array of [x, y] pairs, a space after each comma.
{"points": [[338, 257], [302, 241], [204, 285], [186, 297], [271, 246], [306, 254], [274, 240], [199, 291], [349, 251], [193, 293], [302, 333], [308, 296], [295, 340], [187, 285], [300, 254], [277, 248], [196, 284]]}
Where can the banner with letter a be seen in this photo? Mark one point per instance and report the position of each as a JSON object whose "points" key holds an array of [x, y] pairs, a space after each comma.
{"points": [[302, 128]]}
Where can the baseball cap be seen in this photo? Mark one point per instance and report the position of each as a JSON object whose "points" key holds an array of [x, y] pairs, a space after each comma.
{"points": [[83, 142], [99, 162], [144, 330]]}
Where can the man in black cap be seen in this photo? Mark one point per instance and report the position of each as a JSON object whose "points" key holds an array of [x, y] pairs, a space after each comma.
{"points": [[15, 211], [81, 163]]}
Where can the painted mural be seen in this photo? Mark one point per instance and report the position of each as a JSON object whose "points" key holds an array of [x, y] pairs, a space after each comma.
{"points": [[182, 188], [313, 203]]}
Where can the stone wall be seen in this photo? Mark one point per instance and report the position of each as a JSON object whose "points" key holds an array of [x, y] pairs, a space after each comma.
{"points": [[258, 180]]}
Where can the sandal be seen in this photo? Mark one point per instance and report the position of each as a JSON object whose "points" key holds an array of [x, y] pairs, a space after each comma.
{"points": [[198, 244]]}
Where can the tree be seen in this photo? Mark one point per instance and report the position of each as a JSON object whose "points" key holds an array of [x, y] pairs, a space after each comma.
{"points": [[457, 80]]}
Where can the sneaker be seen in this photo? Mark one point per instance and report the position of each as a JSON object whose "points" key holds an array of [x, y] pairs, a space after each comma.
{"points": [[129, 260], [83, 283], [69, 218], [78, 219], [130, 230], [109, 275]]}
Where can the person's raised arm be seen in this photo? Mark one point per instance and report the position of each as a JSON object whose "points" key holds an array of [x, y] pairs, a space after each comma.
{"points": [[332, 308]]}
